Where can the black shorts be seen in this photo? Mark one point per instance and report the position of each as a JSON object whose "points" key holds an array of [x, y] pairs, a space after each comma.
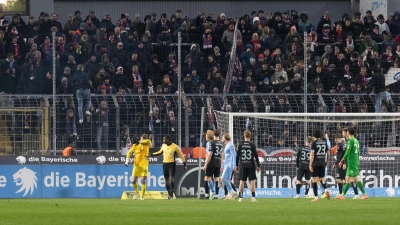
{"points": [[340, 174], [247, 173], [303, 172], [169, 169], [212, 171], [319, 171]]}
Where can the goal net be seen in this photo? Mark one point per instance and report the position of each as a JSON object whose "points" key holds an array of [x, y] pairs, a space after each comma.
{"points": [[278, 136]]}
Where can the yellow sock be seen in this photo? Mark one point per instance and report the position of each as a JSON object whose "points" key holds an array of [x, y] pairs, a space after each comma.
{"points": [[135, 185], [143, 189]]}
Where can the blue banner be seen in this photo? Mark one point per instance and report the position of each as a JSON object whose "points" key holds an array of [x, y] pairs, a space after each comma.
{"points": [[107, 177], [77, 181]]}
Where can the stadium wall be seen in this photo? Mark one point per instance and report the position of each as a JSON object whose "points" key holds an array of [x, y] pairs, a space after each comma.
{"points": [[315, 9], [107, 177]]}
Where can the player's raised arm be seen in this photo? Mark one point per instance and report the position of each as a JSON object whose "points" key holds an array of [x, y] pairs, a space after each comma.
{"points": [[147, 144], [128, 155]]}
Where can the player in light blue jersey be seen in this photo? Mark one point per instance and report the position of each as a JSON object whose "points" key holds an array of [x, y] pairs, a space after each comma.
{"points": [[228, 164]]}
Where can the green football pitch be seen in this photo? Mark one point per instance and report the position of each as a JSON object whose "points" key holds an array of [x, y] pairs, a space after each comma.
{"points": [[382, 211]]}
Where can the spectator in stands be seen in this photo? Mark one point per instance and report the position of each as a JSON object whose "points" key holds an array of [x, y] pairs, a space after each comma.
{"points": [[304, 24], [99, 79], [387, 59], [167, 86], [170, 64], [70, 149], [92, 66], [106, 21], [377, 83], [266, 87], [357, 26], [253, 88], [64, 88], [154, 70], [171, 125], [216, 81], [120, 55], [281, 106], [189, 86], [235, 86], [107, 65], [70, 124], [102, 126], [279, 72], [30, 82], [272, 42], [293, 37], [382, 25], [394, 25], [110, 88], [137, 26], [81, 85], [227, 37], [8, 77], [248, 58]]}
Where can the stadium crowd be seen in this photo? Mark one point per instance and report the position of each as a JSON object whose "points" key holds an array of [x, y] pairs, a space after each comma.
{"points": [[139, 56]]}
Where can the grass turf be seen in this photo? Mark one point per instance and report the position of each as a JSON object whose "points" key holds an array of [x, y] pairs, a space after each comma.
{"points": [[381, 211]]}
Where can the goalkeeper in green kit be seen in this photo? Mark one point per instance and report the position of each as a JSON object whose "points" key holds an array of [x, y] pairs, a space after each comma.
{"points": [[352, 161]]}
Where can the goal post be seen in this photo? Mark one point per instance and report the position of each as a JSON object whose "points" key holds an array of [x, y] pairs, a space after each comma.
{"points": [[279, 135]]}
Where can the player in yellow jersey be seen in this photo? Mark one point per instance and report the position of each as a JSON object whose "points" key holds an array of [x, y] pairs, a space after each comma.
{"points": [[141, 164], [170, 150]]}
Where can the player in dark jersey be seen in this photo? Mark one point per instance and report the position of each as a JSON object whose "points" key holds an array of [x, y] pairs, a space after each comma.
{"points": [[213, 162], [339, 150], [245, 161], [318, 160], [303, 167]]}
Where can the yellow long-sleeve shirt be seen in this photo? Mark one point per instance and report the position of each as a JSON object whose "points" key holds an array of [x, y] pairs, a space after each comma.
{"points": [[169, 153], [140, 151]]}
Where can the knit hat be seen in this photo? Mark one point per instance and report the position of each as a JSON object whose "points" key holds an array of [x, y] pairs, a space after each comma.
{"points": [[66, 68], [265, 80]]}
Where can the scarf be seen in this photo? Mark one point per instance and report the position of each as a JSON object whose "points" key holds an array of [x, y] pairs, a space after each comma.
{"points": [[207, 41], [364, 80], [16, 50], [339, 35], [255, 45], [325, 33], [61, 46]]}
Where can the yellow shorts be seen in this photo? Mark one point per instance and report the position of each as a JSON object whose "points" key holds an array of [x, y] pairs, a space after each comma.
{"points": [[140, 171]]}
